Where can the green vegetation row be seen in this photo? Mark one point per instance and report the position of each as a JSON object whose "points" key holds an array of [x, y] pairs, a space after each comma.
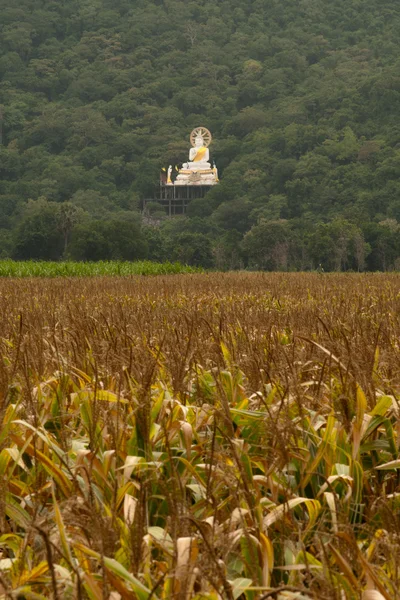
{"points": [[302, 99], [11, 268]]}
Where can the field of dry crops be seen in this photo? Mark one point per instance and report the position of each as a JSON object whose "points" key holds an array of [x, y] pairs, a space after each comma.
{"points": [[200, 436]]}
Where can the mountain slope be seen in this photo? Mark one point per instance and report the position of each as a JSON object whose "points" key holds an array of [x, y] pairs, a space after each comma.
{"points": [[302, 99]]}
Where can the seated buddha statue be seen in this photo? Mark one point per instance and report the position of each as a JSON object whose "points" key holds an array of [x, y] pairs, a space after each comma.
{"points": [[198, 155], [198, 170]]}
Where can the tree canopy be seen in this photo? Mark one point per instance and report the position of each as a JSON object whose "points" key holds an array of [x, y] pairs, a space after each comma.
{"points": [[302, 98]]}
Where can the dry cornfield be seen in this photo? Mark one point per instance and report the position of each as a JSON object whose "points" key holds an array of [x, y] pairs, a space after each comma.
{"points": [[200, 437]]}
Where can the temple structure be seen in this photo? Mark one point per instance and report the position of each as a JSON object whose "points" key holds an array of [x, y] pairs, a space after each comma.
{"points": [[194, 179]]}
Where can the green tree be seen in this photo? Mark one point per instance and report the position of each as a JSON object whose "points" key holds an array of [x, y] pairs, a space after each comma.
{"points": [[268, 245], [338, 246], [37, 235], [192, 249], [6, 243], [118, 238], [68, 216], [89, 242], [384, 242], [232, 215]]}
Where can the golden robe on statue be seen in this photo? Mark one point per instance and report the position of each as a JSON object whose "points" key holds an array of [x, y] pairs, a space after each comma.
{"points": [[201, 154]]}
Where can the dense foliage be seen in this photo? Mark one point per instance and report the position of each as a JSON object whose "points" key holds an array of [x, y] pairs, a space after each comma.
{"points": [[200, 437], [302, 97]]}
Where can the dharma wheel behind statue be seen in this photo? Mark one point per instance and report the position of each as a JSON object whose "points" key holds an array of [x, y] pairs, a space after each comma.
{"points": [[201, 132]]}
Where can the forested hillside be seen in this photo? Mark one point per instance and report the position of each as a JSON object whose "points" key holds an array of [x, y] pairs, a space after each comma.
{"points": [[302, 98]]}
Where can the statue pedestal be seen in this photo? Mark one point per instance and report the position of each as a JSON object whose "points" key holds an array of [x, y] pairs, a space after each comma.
{"points": [[198, 177]]}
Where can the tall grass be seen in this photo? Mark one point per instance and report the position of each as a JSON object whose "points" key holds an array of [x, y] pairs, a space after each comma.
{"points": [[204, 437], [10, 268]]}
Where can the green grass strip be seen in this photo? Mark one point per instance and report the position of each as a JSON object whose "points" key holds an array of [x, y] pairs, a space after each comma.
{"points": [[11, 268]]}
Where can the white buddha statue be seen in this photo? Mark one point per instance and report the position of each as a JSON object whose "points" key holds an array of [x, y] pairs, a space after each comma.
{"points": [[198, 156], [198, 170]]}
